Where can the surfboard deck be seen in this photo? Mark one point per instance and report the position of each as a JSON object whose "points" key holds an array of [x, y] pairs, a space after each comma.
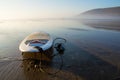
{"points": [[39, 39]]}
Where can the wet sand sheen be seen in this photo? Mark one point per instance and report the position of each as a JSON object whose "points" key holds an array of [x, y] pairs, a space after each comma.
{"points": [[86, 57], [100, 50], [82, 66], [16, 70]]}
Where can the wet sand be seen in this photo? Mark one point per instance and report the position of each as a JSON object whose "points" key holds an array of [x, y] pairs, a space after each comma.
{"points": [[18, 70], [80, 65], [103, 24], [89, 54]]}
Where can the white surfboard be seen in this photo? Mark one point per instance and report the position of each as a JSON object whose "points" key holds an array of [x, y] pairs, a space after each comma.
{"points": [[39, 39]]}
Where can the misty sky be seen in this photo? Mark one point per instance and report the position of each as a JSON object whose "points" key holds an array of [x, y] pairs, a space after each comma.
{"points": [[32, 9]]}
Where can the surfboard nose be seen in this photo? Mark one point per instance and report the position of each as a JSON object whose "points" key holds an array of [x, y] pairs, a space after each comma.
{"points": [[41, 39]]}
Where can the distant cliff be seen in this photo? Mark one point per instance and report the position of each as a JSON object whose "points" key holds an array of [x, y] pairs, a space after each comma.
{"points": [[101, 13]]}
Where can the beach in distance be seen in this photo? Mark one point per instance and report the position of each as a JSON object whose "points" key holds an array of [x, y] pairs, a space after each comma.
{"points": [[92, 49]]}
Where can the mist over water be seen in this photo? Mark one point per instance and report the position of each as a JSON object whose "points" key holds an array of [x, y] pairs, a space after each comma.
{"points": [[87, 43], [81, 32]]}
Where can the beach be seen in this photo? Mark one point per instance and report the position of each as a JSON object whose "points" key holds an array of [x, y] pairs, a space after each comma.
{"points": [[90, 53]]}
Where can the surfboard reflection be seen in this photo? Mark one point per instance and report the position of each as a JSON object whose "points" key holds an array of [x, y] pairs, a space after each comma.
{"points": [[33, 62], [46, 55]]}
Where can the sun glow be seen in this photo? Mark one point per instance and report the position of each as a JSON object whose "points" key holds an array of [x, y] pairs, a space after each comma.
{"points": [[28, 9]]}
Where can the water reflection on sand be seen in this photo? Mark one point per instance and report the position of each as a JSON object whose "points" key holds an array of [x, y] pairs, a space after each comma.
{"points": [[91, 53]]}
